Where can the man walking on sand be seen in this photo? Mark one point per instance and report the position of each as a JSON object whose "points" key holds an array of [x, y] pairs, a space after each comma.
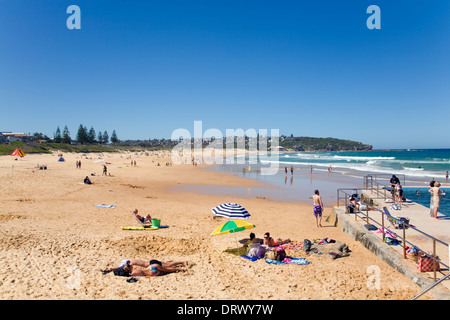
{"points": [[318, 208]]}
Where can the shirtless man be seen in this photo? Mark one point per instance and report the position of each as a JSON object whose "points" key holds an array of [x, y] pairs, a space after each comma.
{"points": [[318, 208]]}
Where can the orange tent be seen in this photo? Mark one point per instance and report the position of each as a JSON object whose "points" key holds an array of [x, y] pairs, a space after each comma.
{"points": [[18, 153]]}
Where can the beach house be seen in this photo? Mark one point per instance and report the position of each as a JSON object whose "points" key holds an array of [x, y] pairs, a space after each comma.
{"points": [[8, 137]]}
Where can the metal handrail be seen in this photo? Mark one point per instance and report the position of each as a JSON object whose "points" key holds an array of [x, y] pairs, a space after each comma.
{"points": [[404, 235], [388, 176], [431, 287], [410, 226]]}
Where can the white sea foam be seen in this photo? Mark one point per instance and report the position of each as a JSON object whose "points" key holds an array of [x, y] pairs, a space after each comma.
{"points": [[365, 168]]}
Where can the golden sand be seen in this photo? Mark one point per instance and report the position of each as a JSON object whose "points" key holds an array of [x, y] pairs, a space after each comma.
{"points": [[55, 242]]}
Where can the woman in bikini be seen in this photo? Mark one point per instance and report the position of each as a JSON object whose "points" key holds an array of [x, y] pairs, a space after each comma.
{"points": [[153, 270], [137, 268], [271, 242]]}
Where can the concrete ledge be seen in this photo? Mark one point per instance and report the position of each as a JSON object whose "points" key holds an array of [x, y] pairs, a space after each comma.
{"points": [[356, 230]]}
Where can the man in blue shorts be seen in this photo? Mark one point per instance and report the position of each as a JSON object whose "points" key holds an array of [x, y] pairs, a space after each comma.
{"points": [[318, 208]]}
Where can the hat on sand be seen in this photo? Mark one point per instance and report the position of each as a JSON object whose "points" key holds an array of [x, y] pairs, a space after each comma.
{"points": [[124, 262]]}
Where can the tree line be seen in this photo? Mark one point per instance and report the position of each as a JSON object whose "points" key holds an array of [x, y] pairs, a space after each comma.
{"points": [[85, 136]]}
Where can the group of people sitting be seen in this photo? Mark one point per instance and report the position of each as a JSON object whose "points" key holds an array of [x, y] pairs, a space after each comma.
{"points": [[255, 248]]}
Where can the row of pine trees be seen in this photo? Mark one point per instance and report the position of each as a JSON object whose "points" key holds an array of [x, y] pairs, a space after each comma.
{"points": [[85, 136]]}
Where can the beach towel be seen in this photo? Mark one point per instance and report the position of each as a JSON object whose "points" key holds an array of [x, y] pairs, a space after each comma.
{"points": [[392, 241], [324, 241], [293, 246], [252, 258], [104, 206], [387, 233], [143, 228], [371, 227], [297, 261]]}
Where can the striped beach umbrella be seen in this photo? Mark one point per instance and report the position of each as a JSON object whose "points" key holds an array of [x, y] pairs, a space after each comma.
{"points": [[231, 211]]}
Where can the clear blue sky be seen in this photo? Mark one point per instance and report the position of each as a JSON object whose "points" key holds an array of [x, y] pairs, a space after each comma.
{"points": [[308, 68]]}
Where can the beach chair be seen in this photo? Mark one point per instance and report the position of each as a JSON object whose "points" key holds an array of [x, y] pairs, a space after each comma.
{"points": [[145, 224], [397, 222], [389, 216]]}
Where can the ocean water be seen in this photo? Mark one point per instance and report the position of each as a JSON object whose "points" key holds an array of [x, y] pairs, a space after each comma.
{"points": [[423, 197], [413, 164], [414, 167]]}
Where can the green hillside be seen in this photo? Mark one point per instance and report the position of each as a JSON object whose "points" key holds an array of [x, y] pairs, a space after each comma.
{"points": [[322, 144]]}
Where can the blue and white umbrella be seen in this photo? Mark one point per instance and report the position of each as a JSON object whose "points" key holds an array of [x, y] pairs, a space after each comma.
{"points": [[231, 210]]}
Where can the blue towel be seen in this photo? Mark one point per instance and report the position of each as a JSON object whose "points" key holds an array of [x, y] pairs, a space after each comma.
{"points": [[252, 258], [371, 227]]}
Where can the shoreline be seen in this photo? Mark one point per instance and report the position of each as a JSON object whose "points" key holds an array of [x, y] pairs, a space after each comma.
{"points": [[50, 225]]}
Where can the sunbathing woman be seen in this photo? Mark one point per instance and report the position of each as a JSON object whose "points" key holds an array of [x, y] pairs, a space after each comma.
{"points": [[269, 241], [136, 268], [146, 263], [153, 270]]}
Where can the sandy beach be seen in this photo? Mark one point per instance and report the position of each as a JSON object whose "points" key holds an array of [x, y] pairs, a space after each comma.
{"points": [[55, 242]]}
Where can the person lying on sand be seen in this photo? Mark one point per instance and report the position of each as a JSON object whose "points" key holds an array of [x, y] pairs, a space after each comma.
{"points": [[136, 268], [148, 218], [269, 241]]}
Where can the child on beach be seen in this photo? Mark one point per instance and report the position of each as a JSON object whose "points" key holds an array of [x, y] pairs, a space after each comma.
{"points": [[318, 208], [399, 195], [144, 220]]}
